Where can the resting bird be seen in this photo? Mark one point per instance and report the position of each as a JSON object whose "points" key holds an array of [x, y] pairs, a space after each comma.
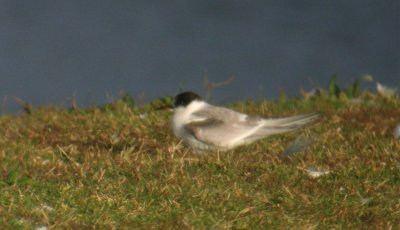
{"points": [[205, 127]]}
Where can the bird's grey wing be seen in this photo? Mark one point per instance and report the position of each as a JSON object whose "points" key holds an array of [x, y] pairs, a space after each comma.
{"points": [[219, 125], [215, 132], [219, 113]]}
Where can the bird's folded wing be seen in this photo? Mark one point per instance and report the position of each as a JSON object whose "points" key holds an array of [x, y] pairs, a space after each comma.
{"points": [[215, 132], [218, 126]]}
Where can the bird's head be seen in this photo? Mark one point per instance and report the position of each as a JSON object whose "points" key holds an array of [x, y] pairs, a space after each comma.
{"points": [[185, 98]]}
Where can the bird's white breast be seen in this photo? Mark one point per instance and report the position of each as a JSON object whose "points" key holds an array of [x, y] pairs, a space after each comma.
{"points": [[183, 115]]}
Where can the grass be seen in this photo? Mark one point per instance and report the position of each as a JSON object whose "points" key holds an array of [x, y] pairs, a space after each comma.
{"points": [[120, 167]]}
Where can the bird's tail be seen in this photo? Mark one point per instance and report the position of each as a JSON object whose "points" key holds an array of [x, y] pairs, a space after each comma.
{"points": [[283, 125]]}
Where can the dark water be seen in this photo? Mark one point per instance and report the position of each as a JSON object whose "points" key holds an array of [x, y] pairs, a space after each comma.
{"points": [[54, 50]]}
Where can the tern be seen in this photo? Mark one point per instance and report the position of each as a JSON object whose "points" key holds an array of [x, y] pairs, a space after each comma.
{"points": [[203, 126]]}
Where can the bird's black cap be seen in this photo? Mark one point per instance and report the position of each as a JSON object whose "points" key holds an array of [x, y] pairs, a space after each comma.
{"points": [[184, 98]]}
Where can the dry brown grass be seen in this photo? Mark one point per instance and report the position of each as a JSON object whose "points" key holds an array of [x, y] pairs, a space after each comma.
{"points": [[121, 168]]}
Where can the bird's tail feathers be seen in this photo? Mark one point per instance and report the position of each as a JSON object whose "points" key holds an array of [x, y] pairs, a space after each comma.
{"points": [[283, 125]]}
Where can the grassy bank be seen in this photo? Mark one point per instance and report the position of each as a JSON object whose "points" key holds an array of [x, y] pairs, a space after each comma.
{"points": [[119, 166]]}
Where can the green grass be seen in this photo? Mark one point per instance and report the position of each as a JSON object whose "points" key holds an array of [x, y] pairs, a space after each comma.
{"points": [[113, 168]]}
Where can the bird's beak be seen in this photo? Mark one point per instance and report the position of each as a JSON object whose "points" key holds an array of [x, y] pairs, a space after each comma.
{"points": [[166, 107]]}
